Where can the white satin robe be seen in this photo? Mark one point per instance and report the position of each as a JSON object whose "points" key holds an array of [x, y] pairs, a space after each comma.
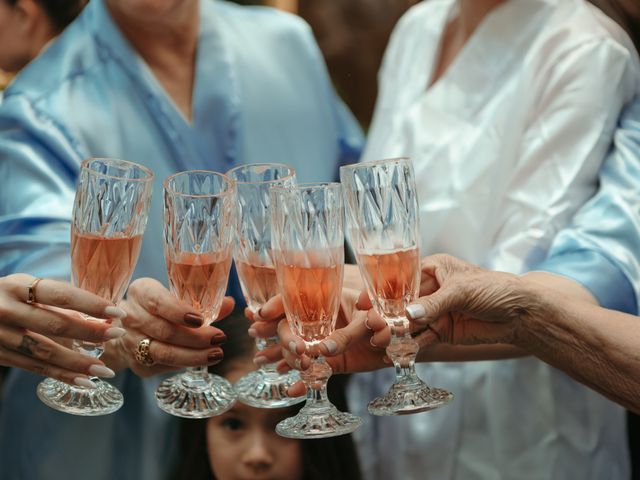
{"points": [[506, 146]]}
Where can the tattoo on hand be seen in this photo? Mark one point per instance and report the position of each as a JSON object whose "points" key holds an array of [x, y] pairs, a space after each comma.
{"points": [[26, 347]]}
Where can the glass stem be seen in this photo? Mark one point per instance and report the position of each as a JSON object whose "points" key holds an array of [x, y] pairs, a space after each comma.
{"points": [[269, 370], [315, 378], [94, 350], [403, 350], [195, 376]]}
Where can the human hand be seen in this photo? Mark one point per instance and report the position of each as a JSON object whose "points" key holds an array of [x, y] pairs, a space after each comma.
{"points": [[464, 304], [176, 332], [349, 348], [35, 332]]}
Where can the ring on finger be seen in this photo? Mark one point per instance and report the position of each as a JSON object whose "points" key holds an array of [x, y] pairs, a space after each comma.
{"points": [[31, 292], [143, 353]]}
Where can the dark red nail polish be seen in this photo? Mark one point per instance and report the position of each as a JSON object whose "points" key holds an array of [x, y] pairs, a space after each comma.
{"points": [[219, 339], [193, 319], [215, 356]]}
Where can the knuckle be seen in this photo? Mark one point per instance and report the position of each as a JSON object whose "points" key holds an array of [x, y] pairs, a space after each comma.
{"points": [[43, 351], [164, 331], [152, 303], [57, 326]]}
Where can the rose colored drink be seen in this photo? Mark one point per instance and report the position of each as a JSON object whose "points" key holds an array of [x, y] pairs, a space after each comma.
{"points": [[199, 278], [258, 283], [103, 265], [392, 278], [311, 296]]}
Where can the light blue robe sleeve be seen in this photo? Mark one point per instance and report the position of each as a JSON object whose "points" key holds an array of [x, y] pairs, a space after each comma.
{"points": [[601, 247], [38, 166]]}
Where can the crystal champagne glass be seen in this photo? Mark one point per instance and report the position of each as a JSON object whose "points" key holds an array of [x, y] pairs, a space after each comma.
{"points": [[198, 231], [108, 221], [265, 387], [308, 253], [382, 207]]}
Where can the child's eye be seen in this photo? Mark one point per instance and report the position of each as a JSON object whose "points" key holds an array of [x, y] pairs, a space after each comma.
{"points": [[232, 424]]}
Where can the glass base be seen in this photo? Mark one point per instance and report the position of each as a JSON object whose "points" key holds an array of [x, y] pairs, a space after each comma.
{"points": [[313, 422], [88, 402], [409, 395], [264, 390], [208, 396]]}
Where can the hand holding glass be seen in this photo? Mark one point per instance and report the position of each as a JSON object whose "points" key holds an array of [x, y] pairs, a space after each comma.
{"points": [[383, 210], [308, 253], [264, 388], [109, 217], [198, 232]]}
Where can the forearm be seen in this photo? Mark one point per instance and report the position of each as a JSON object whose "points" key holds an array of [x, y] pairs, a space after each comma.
{"points": [[597, 347]]}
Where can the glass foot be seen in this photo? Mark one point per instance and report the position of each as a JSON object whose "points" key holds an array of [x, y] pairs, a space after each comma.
{"points": [[265, 390], [409, 395], [88, 402], [313, 422], [182, 396]]}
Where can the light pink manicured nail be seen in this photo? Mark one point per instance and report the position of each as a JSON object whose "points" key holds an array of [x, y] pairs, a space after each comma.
{"points": [[114, 332], [416, 312], [84, 382], [260, 361], [114, 312], [293, 347], [253, 333], [101, 371], [331, 346]]}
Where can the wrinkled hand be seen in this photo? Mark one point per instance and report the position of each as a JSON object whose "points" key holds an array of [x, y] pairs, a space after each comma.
{"points": [[178, 337], [350, 348], [464, 304], [36, 337]]}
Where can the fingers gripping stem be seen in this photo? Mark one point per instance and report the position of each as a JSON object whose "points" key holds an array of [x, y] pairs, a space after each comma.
{"points": [[403, 348]]}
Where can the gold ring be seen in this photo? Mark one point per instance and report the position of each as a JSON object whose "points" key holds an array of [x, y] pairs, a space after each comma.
{"points": [[143, 353], [31, 294]]}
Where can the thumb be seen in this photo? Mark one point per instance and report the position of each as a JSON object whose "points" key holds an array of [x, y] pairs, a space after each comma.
{"points": [[340, 340], [428, 309]]}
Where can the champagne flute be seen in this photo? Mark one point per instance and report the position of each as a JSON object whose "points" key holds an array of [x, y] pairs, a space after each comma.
{"points": [[265, 387], [308, 253], [198, 230], [109, 217], [383, 210]]}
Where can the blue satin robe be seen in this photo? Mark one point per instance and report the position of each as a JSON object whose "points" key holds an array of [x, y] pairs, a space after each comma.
{"points": [[601, 247], [261, 94]]}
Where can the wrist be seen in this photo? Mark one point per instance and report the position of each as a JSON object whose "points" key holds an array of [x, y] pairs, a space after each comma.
{"points": [[533, 311]]}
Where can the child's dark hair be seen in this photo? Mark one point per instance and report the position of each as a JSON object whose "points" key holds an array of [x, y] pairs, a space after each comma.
{"points": [[334, 458], [60, 12]]}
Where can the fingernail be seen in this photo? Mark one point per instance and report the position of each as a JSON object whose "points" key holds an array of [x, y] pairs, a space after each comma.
{"points": [[331, 346], [366, 323], [260, 361], [101, 371], [371, 342], [114, 332], [219, 339], [298, 364], [215, 356], [193, 319], [416, 312], [114, 312], [253, 333], [84, 382], [293, 347]]}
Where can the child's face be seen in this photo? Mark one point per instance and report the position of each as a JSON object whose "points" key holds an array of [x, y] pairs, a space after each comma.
{"points": [[242, 443]]}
